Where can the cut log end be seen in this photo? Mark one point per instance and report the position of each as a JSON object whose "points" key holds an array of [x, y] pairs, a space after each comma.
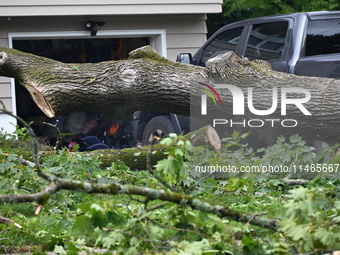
{"points": [[214, 138], [222, 57], [40, 100], [205, 136], [228, 64]]}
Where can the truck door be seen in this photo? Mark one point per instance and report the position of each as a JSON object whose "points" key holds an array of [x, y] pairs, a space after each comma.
{"points": [[321, 51]]}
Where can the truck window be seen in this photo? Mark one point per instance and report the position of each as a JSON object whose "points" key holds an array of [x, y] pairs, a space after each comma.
{"points": [[323, 37], [226, 40], [266, 41]]}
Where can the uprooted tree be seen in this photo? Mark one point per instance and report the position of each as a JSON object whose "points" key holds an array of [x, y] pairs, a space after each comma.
{"points": [[147, 81]]}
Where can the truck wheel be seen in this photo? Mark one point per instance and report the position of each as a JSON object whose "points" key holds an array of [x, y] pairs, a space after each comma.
{"points": [[159, 126]]}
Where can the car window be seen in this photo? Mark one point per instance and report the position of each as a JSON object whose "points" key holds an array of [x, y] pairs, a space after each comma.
{"points": [[226, 40], [266, 41], [323, 37]]}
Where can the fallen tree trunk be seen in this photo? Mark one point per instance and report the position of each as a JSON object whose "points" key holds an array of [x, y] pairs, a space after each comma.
{"points": [[146, 81], [136, 158]]}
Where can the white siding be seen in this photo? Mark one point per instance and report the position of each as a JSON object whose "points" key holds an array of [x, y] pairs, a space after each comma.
{"points": [[6, 122], [5, 92], [5, 87], [106, 7]]}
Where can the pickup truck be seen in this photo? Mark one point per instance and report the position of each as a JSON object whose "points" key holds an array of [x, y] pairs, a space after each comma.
{"points": [[306, 43]]}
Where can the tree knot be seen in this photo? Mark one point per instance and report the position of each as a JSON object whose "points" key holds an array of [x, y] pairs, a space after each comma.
{"points": [[3, 57]]}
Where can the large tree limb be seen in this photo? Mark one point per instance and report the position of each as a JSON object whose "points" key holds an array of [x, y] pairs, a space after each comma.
{"points": [[135, 158], [57, 184], [149, 82], [116, 88]]}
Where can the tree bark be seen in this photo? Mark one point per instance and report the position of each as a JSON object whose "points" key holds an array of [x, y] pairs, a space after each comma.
{"points": [[136, 158], [146, 81]]}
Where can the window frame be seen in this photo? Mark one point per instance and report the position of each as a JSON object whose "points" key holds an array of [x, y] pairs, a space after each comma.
{"points": [[304, 47], [198, 56], [288, 36], [238, 46]]}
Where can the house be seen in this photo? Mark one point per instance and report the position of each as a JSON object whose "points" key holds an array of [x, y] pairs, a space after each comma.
{"points": [[92, 31]]}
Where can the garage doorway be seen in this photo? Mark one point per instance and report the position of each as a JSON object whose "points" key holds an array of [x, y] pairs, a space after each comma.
{"points": [[75, 50]]}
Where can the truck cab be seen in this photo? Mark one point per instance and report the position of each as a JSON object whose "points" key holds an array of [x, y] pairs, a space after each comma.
{"points": [[300, 43]]}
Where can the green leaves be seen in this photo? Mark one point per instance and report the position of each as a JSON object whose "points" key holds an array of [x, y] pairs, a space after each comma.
{"points": [[114, 239], [194, 248], [71, 222], [71, 165], [174, 169], [259, 8], [287, 158], [16, 177], [310, 218]]}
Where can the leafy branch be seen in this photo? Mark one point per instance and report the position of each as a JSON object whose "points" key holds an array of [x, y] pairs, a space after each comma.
{"points": [[56, 184]]}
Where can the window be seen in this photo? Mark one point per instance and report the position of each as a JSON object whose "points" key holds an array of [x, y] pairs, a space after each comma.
{"points": [[227, 40], [81, 50], [266, 41], [323, 37]]}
